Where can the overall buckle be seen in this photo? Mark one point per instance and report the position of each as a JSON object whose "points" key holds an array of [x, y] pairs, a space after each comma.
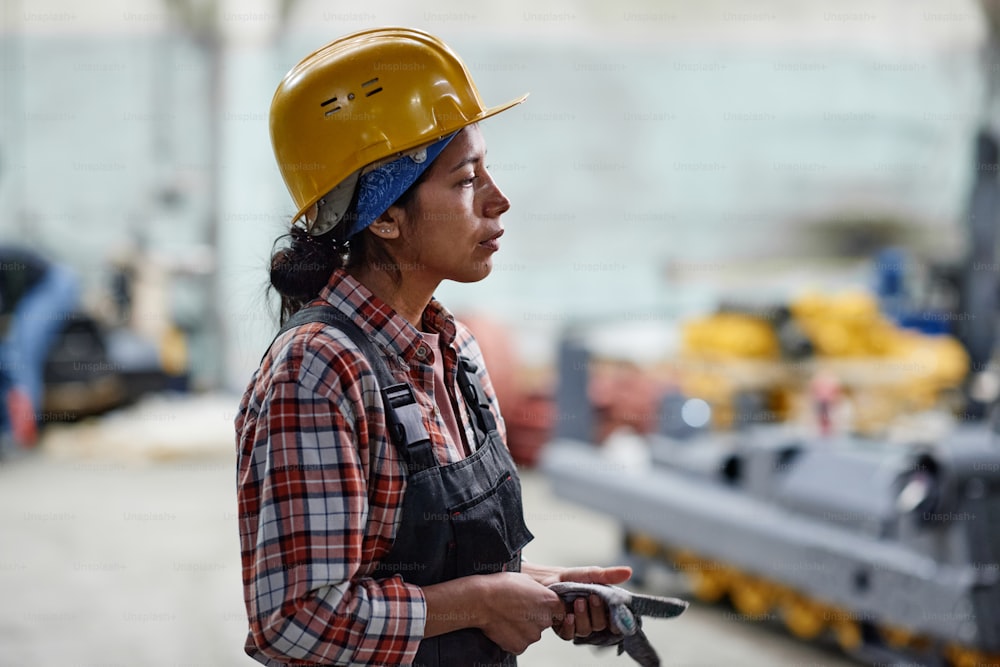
{"points": [[406, 425]]}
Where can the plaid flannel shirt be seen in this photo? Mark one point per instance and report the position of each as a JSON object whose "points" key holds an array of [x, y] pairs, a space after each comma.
{"points": [[320, 486]]}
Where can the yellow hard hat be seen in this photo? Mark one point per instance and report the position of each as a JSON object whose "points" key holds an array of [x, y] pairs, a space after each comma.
{"points": [[363, 98]]}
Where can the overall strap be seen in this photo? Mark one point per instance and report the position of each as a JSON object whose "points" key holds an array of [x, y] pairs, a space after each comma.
{"points": [[402, 414], [331, 316], [475, 398]]}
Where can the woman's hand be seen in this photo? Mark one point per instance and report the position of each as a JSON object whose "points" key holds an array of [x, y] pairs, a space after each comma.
{"points": [[511, 608], [587, 615], [517, 609], [514, 608]]}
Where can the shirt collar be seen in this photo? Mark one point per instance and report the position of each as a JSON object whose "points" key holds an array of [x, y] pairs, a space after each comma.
{"points": [[385, 326]]}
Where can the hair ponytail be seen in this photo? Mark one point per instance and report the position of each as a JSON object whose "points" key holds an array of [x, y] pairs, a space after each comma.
{"points": [[301, 269]]}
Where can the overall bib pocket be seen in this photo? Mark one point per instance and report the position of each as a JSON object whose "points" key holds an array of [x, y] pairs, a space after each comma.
{"points": [[489, 529]]}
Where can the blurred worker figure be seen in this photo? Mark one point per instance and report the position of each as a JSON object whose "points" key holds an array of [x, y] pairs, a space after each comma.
{"points": [[36, 298], [831, 412]]}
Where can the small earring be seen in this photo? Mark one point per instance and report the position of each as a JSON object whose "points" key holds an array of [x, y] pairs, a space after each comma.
{"points": [[385, 230]]}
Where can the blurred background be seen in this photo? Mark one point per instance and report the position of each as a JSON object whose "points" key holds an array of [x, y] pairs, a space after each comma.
{"points": [[785, 211]]}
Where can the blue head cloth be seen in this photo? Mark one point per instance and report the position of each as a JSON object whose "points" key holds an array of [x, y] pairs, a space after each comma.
{"points": [[380, 188]]}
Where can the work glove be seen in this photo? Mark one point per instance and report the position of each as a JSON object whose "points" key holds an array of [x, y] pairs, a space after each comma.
{"points": [[625, 612]]}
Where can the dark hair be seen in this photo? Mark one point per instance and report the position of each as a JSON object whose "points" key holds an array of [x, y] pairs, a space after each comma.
{"points": [[301, 268]]}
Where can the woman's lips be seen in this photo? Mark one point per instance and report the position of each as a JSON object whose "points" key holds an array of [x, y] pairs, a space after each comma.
{"points": [[492, 243]]}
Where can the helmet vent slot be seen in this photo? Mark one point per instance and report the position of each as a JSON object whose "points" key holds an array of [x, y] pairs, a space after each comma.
{"points": [[332, 111], [370, 82]]}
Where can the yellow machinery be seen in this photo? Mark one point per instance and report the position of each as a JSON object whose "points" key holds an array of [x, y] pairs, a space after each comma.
{"points": [[881, 371]]}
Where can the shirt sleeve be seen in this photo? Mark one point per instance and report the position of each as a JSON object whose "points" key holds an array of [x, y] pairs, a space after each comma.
{"points": [[305, 598]]}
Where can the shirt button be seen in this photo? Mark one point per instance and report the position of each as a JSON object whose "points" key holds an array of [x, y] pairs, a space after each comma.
{"points": [[421, 352]]}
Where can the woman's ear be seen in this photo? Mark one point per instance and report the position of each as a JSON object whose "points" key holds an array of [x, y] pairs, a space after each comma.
{"points": [[386, 226]]}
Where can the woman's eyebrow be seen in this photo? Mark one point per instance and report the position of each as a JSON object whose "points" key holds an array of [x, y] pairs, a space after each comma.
{"points": [[472, 159]]}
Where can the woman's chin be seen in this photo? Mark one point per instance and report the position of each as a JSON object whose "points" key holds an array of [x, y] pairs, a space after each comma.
{"points": [[476, 272]]}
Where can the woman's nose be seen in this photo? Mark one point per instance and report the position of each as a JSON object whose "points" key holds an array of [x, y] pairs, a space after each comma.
{"points": [[496, 201]]}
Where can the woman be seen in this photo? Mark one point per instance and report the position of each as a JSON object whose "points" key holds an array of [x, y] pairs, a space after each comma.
{"points": [[380, 512]]}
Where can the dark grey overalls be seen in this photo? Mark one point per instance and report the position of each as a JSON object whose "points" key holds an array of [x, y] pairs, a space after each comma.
{"points": [[459, 519]]}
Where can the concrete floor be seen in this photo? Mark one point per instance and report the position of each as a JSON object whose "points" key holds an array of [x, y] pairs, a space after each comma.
{"points": [[111, 561]]}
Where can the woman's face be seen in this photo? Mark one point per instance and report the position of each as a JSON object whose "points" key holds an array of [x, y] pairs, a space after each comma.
{"points": [[451, 227]]}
